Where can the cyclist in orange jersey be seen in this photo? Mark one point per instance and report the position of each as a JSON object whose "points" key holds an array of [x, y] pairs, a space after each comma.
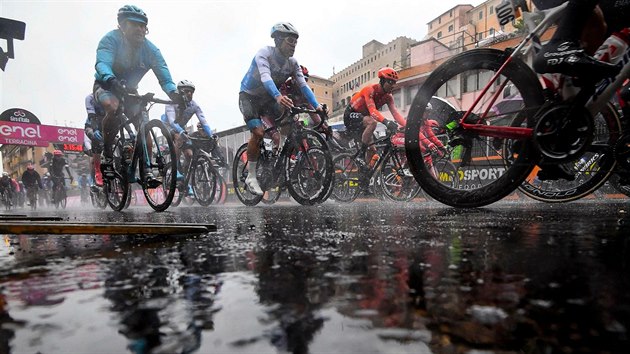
{"points": [[362, 113]]}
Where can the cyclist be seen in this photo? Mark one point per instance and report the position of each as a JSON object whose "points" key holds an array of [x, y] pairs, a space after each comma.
{"points": [[292, 90], [361, 115], [92, 130], [7, 187], [259, 95], [176, 117], [31, 179], [215, 149], [56, 168], [123, 57]]}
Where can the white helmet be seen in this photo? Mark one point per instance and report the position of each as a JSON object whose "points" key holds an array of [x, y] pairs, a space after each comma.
{"points": [[283, 29], [185, 84]]}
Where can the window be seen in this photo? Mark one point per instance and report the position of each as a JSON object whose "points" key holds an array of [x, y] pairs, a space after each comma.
{"points": [[450, 13], [480, 36], [439, 34], [480, 15], [491, 32], [450, 28], [439, 20], [491, 9], [430, 25]]}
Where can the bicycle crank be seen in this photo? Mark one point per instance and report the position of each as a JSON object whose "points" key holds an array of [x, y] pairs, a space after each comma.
{"points": [[563, 132]]}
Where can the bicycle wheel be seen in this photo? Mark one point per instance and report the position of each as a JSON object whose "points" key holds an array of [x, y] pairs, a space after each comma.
{"points": [[395, 179], [117, 188], [345, 186], [159, 194], [179, 189], [239, 174], [591, 170], [486, 174], [63, 201], [272, 195], [309, 168], [204, 180], [220, 195]]}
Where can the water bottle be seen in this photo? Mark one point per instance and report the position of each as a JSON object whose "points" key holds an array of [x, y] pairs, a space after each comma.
{"points": [[612, 50], [374, 159]]}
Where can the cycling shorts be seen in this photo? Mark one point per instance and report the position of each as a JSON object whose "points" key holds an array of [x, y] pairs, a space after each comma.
{"points": [[354, 123], [133, 110], [254, 107]]}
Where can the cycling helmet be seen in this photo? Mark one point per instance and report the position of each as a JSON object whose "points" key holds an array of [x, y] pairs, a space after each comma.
{"points": [[185, 84], [283, 29], [304, 70], [57, 153], [132, 13], [5, 174], [388, 74]]}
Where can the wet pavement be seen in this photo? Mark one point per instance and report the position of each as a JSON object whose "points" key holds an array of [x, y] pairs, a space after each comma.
{"points": [[360, 278]]}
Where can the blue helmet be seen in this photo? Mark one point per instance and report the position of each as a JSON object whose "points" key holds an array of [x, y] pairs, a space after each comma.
{"points": [[132, 13]]}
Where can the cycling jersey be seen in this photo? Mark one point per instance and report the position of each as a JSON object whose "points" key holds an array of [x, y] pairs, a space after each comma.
{"points": [[116, 58], [31, 178], [57, 165], [95, 113], [370, 99], [270, 69], [176, 119]]}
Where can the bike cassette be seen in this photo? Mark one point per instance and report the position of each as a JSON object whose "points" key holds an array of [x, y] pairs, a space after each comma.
{"points": [[622, 151], [562, 133]]}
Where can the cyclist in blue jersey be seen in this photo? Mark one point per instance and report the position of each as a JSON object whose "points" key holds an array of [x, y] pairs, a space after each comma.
{"points": [[123, 57], [259, 95], [176, 117]]}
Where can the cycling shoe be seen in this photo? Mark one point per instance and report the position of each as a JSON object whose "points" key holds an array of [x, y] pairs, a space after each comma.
{"points": [[570, 59]]}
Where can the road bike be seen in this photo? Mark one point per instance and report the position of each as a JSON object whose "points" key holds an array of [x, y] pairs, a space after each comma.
{"points": [[303, 165], [31, 195], [200, 175], [501, 150], [144, 156], [352, 174], [5, 198], [59, 196]]}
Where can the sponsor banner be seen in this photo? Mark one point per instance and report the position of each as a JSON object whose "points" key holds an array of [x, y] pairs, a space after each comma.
{"points": [[13, 133], [19, 115]]}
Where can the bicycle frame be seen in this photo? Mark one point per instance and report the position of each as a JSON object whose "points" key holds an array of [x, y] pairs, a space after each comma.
{"points": [[604, 90]]}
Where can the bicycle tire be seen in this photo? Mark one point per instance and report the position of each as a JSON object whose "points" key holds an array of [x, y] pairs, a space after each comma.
{"points": [[308, 168], [345, 187], [117, 188], [395, 179], [204, 180], [592, 169], [162, 156], [239, 174], [485, 176], [178, 196], [220, 195]]}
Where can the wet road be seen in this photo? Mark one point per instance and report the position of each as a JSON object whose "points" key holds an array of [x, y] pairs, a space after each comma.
{"points": [[359, 278]]}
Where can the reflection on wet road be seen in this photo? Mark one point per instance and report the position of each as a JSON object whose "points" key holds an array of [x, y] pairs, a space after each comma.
{"points": [[360, 278]]}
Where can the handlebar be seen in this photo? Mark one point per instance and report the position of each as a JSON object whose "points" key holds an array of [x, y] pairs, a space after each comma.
{"points": [[149, 97]]}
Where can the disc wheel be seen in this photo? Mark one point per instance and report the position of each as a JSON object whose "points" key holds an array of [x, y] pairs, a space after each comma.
{"points": [[487, 174], [239, 174], [159, 144], [591, 169]]}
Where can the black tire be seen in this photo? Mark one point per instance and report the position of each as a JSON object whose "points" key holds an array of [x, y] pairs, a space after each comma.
{"points": [[179, 190], [221, 192], [308, 168], [204, 180], [161, 157], [63, 202], [591, 170], [345, 186], [395, 178], [487, 175], [117, 188], [239, 174]]}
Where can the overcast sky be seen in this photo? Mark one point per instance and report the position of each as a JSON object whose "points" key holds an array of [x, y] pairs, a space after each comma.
{"points": [[208, 42]]}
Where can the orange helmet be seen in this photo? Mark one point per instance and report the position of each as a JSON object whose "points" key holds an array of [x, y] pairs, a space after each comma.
{"points": [[304, 70], [57, 153], [388, 73]]}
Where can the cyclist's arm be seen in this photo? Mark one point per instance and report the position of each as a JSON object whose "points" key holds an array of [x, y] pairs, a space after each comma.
{"points": [[428, 132], [105, 54], [170, 111], [160, 69], [264, 69], [203, 120], [368, 97], [395, 113]]}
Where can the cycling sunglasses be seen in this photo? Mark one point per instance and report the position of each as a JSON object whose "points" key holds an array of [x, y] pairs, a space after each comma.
{"points": [[291, 40]]}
